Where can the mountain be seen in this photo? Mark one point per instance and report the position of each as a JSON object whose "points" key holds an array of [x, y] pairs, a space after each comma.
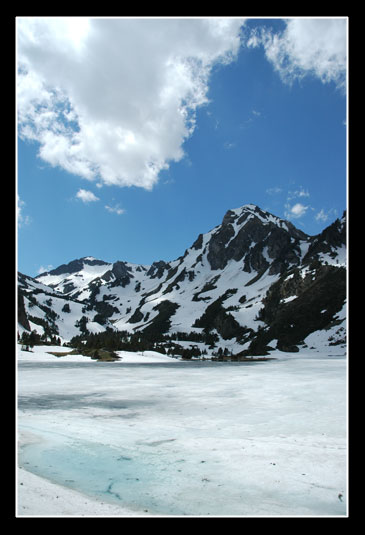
{"points": [[254, 282]]}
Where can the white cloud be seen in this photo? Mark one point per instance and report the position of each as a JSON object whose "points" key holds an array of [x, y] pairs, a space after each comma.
{"points": [[315, 46], [115, 209], [302, 193], [113, 100], [297, 193], [22, 219], [296, 211], [86, 196], [323, 216], [43, 269]]}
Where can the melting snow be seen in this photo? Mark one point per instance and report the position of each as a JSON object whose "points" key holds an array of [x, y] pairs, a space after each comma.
{"points": [[175, 438]]}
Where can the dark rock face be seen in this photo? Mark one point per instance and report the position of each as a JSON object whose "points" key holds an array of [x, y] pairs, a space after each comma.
{"points": [[119, 275], [161, 323], [75, 265], [284, 249], [330, 239], [259, 242], [216, 317], [217, 254], [22, 316], [295, 305], [198, 244], [308, 291], [158, 269]]}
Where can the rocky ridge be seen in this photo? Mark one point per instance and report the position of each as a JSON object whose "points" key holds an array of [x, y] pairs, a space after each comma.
{"points": [[255, 281]]}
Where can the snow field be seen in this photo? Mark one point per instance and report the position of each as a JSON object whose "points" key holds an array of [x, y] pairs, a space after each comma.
{"points": [[261, 439]]}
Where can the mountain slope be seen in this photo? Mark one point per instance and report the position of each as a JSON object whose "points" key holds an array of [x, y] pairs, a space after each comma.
{"points": [[251, 280]]}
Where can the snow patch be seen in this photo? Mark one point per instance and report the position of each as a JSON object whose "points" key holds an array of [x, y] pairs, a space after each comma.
{"points": [[260, 440]]}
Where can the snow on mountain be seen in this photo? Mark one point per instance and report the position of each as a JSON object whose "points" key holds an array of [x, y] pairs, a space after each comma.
{"points": [[71, 278], [234, 281]]}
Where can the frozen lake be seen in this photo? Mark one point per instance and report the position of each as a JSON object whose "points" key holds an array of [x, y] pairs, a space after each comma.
{"points": [[191, 438]]}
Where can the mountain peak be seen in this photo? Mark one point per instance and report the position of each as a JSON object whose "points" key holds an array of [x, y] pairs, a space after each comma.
{"points": [[236, 212], [257, 238], [73, 266], [253, 271], [241, 214]]}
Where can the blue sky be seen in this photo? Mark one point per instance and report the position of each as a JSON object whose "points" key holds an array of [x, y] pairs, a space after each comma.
{"points": [[136, 135]]}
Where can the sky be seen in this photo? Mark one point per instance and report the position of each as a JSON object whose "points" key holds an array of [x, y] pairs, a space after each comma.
{"points": [[135, 135]]}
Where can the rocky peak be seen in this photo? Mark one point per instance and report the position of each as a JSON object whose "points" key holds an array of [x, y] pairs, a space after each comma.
{"points": [[328, 243], [281, 285], [74, 266], [256, 238]]}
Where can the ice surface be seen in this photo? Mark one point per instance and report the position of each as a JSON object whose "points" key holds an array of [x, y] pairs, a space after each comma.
{"points": [[195, 438]]}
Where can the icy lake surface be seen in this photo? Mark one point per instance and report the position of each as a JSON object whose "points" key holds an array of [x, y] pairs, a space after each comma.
{"points": [[195, 438]]}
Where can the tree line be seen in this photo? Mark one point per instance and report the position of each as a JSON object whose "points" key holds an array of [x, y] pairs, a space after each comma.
{"points": [[31, 339]]}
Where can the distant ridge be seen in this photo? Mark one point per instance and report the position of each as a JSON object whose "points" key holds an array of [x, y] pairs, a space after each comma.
{"points": [[255, 282]]}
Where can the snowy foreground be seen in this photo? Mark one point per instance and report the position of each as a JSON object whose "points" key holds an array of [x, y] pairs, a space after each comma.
{"points": [[150, 435]]}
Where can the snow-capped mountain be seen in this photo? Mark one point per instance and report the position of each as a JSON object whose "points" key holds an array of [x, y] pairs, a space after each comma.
{"points": [[255, 280]]}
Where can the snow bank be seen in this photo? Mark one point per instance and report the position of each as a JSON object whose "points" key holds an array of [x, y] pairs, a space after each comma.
{"points": [[39, 497], [42, 354], [192, 439], [145, 357]]}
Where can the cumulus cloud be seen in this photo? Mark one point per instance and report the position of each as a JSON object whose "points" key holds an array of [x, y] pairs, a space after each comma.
{"points": [[86, 196], [295, 211], [316, 46], [113, 100]]}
